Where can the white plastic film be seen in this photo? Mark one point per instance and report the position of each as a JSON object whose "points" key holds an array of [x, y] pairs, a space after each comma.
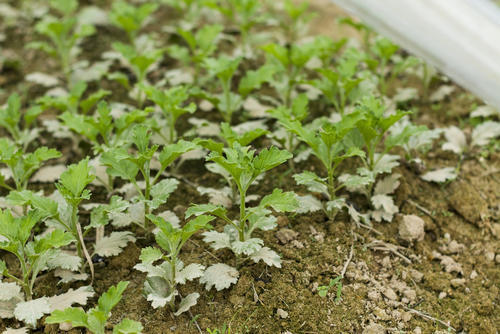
{"points": [[459, 37]]}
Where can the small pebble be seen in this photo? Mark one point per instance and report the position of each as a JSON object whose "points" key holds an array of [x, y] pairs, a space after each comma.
{"points": [[442, 295], [416, 275], [490, 256], [282, 313], [473, 274], [417, 330], [456, 282], [389, 293], [497, 258], [373, 295]]}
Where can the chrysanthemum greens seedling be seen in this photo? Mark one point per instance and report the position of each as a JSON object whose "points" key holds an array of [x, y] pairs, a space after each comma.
{"points": [[339, 85], [22, 165], [96, 319], [162, 279], [126, 165], [33, 256], [245, 166], [64, 213], [140, 62], [329, 147], [131, 18], [201, 45], [18, 124], [74, 102], [172, 102], [64, 34]]}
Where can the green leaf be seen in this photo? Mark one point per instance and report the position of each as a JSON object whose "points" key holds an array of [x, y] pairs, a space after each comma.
{"points": [[91, 101], [313, 182], [111, 297], [161, 191], [76, 316], [73, 181], [270, 158], [280, 201], [279, 52], [55, 239], [65, 7], [117, 164], [196, 224], [200, 209], [254, 79], [222, 67], [44, 205], [127, 326], [150, 255], [171, 152]]}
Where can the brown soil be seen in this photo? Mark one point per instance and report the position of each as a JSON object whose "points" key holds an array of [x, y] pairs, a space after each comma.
{"points": [[380, 287]]}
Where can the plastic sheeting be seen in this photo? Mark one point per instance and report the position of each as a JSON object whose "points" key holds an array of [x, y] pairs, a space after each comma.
{"points": [[459, 37]]}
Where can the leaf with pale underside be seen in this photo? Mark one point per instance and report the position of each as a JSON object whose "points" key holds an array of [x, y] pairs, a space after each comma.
{"points": [[158, 291], [189, 273], [67, 299], [455, 140], [485, 132], [187, 302], [270, 257], [30, 311], [308, 203], [113, 244], [440, 175], [217, 240], [247, 247], [220, 276]]}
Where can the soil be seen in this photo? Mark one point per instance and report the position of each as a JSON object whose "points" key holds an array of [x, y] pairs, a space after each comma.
{"points": [[390, 285]]}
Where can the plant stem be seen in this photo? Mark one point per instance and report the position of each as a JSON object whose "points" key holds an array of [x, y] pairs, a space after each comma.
{"points": [[241, 229]]}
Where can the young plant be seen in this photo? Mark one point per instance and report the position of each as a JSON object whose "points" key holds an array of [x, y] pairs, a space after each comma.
{"points": [[33, 256], [339, 85], [244, 15], [74, 102], [121, 163], [22, 165], [295, 20], [172, 102], [160, 287], [228, 195], [328, 145], [290, 66], [130, 18], [96, 319], [201, 45], [334, 282], [372, 133], [140, 62], [63, 33], [18, 124], [224, 68], [385, 65], [244, 166]]}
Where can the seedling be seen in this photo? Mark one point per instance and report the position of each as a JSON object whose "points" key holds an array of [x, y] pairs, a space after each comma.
{"points": [[34, 256], [224, 68], [245, 166], [337, 281], [18, 124], [140, 62], [162, 279], [130, 18], [290, 66], [22, 165], [74, 102], [372, 133], [295, 20], [230, 137], [96, 319], [339, 85], [63, 33], [244, 14], [201, 45], [383, 51], [173, 104], [121, 163], [328, 145]]}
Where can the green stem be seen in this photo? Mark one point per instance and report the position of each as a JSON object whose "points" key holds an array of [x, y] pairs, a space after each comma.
{"points": [[241, 229], [173, 268]]}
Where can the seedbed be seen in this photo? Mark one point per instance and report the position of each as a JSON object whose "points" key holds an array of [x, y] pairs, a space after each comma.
{"points": [[370, 190]]}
